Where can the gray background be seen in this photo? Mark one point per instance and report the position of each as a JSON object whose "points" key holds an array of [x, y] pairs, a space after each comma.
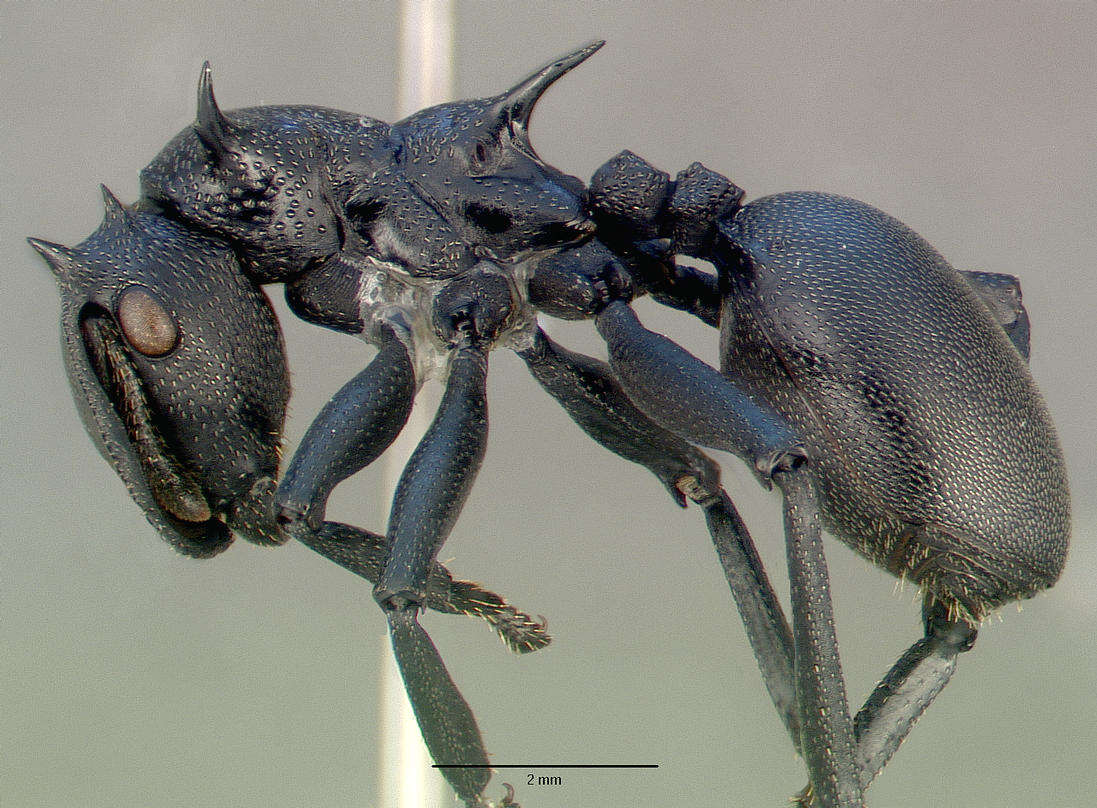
{"points": [[133, 677]]}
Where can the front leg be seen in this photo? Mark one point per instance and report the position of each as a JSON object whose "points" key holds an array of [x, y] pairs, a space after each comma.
{"points": [[364, 553], [352, 430], [445, 719], [468, 315]]}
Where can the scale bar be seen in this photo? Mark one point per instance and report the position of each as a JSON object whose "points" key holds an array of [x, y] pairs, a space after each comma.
{"points": [[545, 766]]}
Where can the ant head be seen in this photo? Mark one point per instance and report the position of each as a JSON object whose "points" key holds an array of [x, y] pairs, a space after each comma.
{"points": [[176, 364]]}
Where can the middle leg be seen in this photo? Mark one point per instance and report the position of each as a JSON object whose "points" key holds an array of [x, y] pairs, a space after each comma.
{"points": [[429, 496]]}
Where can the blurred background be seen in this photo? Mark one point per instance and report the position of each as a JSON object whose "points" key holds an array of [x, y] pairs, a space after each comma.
{"points": [[135, 677]]}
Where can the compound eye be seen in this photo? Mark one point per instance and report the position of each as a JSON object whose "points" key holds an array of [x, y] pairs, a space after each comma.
{"points": [[147, 326]]}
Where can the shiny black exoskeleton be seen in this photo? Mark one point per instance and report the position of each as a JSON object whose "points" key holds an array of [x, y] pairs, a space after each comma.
{"points": [[929, 448], [885, 394], [177, 368], [195, 440]]}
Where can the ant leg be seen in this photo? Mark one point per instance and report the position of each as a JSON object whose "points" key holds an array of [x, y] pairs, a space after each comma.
{"points": [[592, 396], [364, 553], [468, 314], [900, 698], [690, 398], [437, 478], [907, 690], [351, 431], [630, 200], [1002, 295], [765, 623], [911, 685], [428, 499], [588, 391], [683, 394], [827, 740]]}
